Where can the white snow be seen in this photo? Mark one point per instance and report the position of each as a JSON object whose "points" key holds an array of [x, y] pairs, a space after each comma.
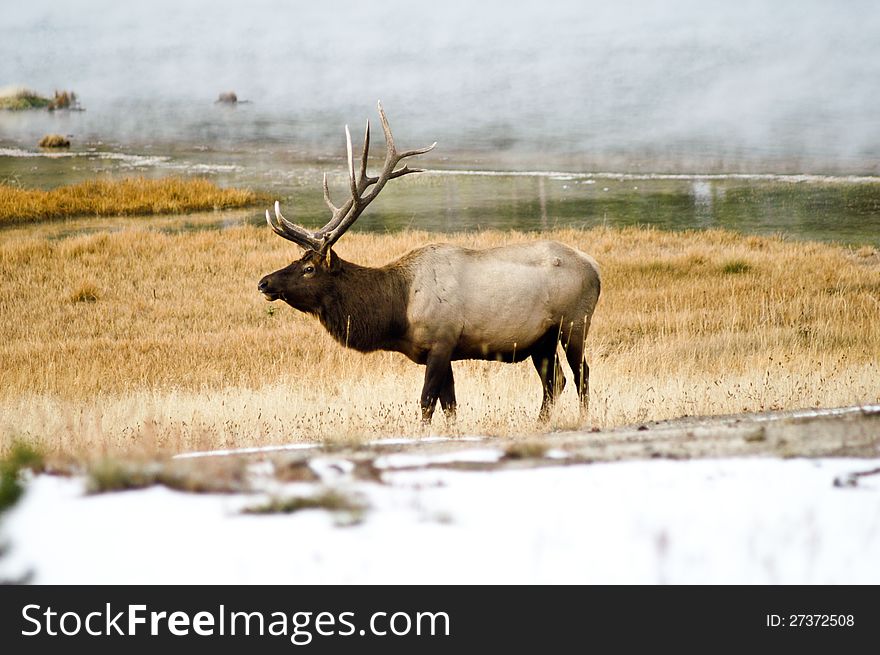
{"points": [[404, 441], [412, 460], [705, 521], [331, 468], [247, 451]]}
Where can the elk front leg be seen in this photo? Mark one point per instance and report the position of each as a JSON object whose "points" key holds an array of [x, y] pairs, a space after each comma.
{"points": [[438, 385]]}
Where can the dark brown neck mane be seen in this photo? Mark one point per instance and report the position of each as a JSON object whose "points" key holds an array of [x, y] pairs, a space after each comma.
{"points": [[365, 308]]}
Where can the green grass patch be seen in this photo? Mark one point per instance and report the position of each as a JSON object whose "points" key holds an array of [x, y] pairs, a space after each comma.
{"points": [[21, 456], [22, 99], [219, 476], [348, 510], [114, 475], [736, 267]]}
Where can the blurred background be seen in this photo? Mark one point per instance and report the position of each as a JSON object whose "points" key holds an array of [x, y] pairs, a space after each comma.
{"points": [[683, 87]]}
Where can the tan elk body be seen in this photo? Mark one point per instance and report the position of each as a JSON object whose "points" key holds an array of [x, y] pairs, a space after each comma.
{"points": [[440, 302]]}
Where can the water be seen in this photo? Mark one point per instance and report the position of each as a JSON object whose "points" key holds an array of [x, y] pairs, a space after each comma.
{"points": [[585, 90]]}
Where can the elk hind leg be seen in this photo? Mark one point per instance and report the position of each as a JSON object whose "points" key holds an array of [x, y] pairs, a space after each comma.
{"points": [[552, 377], [574, 353], [438, 385], [447, 396]]}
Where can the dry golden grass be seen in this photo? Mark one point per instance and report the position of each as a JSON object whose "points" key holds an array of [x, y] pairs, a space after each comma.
{"points": [[126, 197], [54, 141], [138, 341]]}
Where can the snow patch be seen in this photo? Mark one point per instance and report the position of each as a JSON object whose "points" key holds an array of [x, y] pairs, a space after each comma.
{"points": [[412, 460], [726, 521], [246, 451]]}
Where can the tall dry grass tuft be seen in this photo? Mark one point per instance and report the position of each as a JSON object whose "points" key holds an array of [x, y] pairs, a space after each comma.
{"points": [[141, 341], [126, 197], [54, 141]]}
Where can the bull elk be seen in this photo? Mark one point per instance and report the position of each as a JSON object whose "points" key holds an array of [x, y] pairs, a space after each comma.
{"points": [[440, 302]]}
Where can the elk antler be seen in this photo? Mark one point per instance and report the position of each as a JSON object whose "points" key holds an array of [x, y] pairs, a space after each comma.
{"points": [[343, 217]]}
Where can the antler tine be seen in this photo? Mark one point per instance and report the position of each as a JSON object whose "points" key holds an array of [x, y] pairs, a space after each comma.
{"points": [[298, 235], [365, 180], [417, 151], [308, 239], [392, 158], [275, 229], [390, 150], [333, 208], [288, 226], [351, 178], [406, 170], [389, 141]]}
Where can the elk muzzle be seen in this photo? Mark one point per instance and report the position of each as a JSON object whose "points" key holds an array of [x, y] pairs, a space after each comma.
{"points": [[266, 288]]}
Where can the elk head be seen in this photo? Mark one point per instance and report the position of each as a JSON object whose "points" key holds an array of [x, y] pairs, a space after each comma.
{"points": [[306, 281]]}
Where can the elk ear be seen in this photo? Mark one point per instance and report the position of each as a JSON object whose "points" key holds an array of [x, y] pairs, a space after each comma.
{"points": [[331, 261]]}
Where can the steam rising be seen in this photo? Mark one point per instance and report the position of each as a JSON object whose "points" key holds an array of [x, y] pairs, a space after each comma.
{"points": [[688, 85]]}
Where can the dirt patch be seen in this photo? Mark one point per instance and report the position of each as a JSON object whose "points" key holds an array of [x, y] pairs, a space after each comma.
{"points": [[840, 432]]}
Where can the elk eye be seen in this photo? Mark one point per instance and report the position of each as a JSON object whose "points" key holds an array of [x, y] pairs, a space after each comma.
{"points": [[309, 269]]}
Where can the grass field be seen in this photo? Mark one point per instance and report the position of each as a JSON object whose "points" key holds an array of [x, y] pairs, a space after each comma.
{"points": [[132, 340], [19, 99], [125, 197]]}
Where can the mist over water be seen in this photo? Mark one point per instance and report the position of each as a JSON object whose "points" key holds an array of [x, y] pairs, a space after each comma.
{"points": [[753, 116], [686, 86]]}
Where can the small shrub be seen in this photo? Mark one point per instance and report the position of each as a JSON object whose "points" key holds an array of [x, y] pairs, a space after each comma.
{"points": [[19, 99], [525, 450], [736, 267], [349, 510], [114, 475], [54, 141], [63, 100], [86, 293]]}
